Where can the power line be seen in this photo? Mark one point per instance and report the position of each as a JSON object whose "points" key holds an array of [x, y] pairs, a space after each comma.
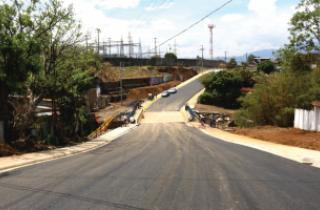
{"points": [[196, 23]]}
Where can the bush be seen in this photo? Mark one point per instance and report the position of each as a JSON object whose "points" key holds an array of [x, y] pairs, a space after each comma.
{"points": [[222, 89], [246, 77], [206, 98], [232, 64], [242, 119], [275, 98], [266, 67], [170, 59]]}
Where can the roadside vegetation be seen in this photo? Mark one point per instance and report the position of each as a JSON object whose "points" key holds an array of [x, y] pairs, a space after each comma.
{"points": [[293, 81], [42, 58]]}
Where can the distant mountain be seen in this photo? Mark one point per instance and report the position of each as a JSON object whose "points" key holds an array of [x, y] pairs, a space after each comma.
{"points": [[266, 53]]}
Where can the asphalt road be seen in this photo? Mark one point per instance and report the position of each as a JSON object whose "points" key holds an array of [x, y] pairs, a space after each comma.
{"points": [[178, 100], [164, 166]]}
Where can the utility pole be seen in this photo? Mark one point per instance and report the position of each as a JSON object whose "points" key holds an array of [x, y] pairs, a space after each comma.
{"points": [[140, 49], [87, 40], [225, 56], [121, 85], [202, 50], [155, 47], [98, 32], [175, 47], [109, 46]]}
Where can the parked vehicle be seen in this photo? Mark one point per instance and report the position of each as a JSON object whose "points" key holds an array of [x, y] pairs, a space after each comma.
{"points": [[173, 91], [165, 94]]}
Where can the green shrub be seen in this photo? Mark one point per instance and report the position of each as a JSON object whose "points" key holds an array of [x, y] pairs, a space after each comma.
{"points": [[266, 67], [276, 96], [242, 119], [223, 89], [232, 64], [206, 98], [285, 117]]}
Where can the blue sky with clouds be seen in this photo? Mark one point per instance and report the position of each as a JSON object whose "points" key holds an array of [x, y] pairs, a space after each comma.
{"points": [[243, 26]]}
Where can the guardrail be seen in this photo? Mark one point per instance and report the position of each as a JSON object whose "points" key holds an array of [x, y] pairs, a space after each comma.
{"points": [[104, 127]]}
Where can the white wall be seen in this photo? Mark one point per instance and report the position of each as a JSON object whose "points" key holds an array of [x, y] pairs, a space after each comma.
{"points": [[307, 120]]}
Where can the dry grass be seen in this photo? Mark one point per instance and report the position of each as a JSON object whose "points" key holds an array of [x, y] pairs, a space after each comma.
{"points": [[112, 73], [214, 109], [286, 136]]}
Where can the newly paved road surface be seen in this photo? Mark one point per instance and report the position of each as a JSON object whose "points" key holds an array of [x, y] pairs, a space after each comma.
{"points": [[176, 101], [164, 166]]}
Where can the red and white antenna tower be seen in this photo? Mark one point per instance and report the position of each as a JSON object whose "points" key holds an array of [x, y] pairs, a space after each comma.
{"points": [[211, 27]]}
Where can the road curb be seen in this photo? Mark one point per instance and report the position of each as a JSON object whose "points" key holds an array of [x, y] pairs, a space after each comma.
{"points": [[308, 157], [297, 154], [72, 151]]}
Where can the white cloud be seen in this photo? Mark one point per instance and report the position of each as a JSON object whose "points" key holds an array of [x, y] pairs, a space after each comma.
{"points": [[160, 7], [262, 7], [264, 25], [108, 4]]}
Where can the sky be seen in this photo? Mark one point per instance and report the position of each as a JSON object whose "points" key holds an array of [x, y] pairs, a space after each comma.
{"points": [[241, 27]]}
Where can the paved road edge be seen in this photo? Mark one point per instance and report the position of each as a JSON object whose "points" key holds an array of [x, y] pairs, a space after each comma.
{"points": [[25, 160], [147, 104], [297, 154]]}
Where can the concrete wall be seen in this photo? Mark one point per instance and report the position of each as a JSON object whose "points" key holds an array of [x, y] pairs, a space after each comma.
{"points": [[1, 132]]}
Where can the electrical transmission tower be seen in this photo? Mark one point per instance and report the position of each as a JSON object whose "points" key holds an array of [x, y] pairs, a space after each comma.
{"points": [[121, 48], [211, 27], [131, 49], [155, 47], [140, 49]]}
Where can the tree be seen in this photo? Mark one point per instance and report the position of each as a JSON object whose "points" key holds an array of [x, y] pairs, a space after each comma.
{"points": [[250, 59], [232, 63], [305, 26], [170, 59], [41, 56], [276, 96], [66, 71], [222, 89], [155, 60], [20, 55], [266, 66]]}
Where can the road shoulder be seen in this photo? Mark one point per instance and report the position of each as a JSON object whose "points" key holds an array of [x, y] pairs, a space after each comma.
{"points": [[300, 155], [18, 161]]}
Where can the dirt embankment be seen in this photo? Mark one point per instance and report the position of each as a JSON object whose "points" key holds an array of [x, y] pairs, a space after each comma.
{"points": [[109, 73], [286, 136], [142, 93], [178, 72]]}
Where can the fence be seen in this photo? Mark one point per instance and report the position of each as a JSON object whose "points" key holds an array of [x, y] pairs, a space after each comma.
{"points": [[307, 120]]}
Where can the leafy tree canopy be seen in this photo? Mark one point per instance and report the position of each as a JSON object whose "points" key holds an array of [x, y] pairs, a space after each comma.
{"points": [[305, 26]]}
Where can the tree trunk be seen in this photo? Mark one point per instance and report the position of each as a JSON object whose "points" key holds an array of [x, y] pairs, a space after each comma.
{"points": [[4, 114]]}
